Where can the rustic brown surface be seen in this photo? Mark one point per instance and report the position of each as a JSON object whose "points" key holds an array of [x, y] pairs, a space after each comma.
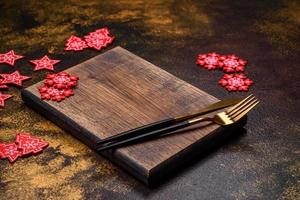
{"points": [[261, 164], [119, 91]]}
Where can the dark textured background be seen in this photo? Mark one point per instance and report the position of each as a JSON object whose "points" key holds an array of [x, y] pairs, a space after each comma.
{"points": [[262, 163]]}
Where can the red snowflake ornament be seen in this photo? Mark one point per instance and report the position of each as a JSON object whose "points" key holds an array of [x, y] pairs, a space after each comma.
{"points": [[75, 44], [28, 144], [10, 58], [10, 151], [61, 80], [4, 97], [99, 39], [209, 61], [232, 63], [44, 63], [54, 94], [236, 82], [14, 78]]}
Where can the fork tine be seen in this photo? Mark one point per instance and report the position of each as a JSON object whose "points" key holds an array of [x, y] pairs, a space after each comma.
{"points": [[245, 110], [241, 106], [237, 105], [241, 109]]}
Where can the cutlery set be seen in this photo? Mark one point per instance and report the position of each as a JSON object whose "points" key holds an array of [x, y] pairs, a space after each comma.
{"points": [[240, 107]]}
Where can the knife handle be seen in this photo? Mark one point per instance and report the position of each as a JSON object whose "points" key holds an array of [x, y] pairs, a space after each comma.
{"points": [[140, 130], [146, 136]]}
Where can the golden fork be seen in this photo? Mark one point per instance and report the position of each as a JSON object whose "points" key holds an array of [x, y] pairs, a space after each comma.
{"points": [[232, 114]]}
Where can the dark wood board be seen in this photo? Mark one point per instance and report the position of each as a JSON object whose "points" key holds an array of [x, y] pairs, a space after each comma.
{"points": [[118, 91]]}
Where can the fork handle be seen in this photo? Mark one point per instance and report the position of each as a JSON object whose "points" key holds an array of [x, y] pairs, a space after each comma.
{"points": [[200, 119]]}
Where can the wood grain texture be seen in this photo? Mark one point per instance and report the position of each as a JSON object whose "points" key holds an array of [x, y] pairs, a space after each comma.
{"points": [[118, 91]]}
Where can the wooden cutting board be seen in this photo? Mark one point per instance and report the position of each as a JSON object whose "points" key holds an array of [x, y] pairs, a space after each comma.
{"points": [[118, 91]]}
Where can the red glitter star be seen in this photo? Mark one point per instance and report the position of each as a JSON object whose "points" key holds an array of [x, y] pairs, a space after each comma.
{"points": [[99, 39], [232, 63], [75, 44], [4, 97], [14, 78], [2, 85], [10, 151], [44, 63], [28, 144], [209, 61], [236, 82], [9, 58]]}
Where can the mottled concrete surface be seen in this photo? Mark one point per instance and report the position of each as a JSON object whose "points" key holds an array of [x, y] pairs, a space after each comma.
{"points": [[263, 163]]}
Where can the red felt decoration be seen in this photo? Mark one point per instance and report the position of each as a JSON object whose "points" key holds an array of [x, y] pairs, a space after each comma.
{"points": [[75, 44], [10, 151], [99, 39], [209, 61], [61, 80], [14, 78], [232, 63], [101, 31], [2, 85], [9, 58], [4, 97], [54, 94], [235, 82], [28, 144], [44, 63]]}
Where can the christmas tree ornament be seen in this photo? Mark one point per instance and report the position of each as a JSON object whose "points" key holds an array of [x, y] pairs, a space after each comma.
{"points": [[75, 43], [10, 151], [99, 39], [28, 144]]}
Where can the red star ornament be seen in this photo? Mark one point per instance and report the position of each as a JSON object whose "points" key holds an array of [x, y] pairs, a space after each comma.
{"points": [[3, 86], [4, 97], [75, 44], [232, 63], [14, 78], [28, 144], [10, 151], [10, 58], [236, 82], [209, 61], [44, 63]]}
